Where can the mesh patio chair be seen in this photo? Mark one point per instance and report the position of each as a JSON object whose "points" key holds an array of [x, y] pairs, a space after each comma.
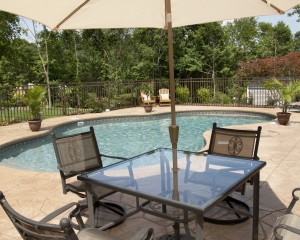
{"points": [[42, 230], [287, 227], [79, 153], [164, 97], [242, 144]]}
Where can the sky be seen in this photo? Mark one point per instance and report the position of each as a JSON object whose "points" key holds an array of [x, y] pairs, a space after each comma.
{"points": [[290, 21]]}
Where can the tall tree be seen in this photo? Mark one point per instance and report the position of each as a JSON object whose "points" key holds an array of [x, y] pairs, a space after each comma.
{"points": [[149, 51], [296, 10], [243, 35], [297, 42], [283, 39], [265, 39]]}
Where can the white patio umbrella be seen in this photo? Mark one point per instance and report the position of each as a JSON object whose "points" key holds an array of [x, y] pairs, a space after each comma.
{"points": [[92, 14]]}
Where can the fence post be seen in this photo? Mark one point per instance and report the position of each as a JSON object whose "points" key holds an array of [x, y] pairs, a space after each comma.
{"points": [[7, 106], [191, 90], [64, 107], [239, 92]]}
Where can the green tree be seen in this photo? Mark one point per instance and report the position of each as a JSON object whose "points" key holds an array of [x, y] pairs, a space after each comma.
{"points": [[266, 40], [296, 10], [283, 39], [297, 42], [9, 30], [149, 51], [243, 36]]}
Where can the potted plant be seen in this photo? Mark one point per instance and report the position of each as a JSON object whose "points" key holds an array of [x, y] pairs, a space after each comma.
{"points": [[286, 93], [35, 100], [146, 92]]}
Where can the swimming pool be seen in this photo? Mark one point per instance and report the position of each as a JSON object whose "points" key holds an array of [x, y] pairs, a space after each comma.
{"points": [[126, 136]]}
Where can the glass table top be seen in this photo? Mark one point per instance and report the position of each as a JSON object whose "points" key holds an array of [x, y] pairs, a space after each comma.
{"points": [[202, 179]]}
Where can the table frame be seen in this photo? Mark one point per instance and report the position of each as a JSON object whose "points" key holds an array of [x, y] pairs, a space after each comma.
{"points": [[186, 208]]}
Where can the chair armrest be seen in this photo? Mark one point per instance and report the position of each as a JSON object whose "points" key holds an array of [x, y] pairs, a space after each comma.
{"points": [[115, 157], [144, 234], [286, 227], [294, 200], [59, 211], [70, 172], [203, 151]]}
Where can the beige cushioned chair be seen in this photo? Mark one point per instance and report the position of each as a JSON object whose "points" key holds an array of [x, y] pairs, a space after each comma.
{"points": [[164, 97], [147, 99]]}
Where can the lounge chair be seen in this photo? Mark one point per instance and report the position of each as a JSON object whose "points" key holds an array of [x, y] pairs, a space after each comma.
{"points": [[237, 143], [164, 97], [294, 105], [35, 230], [79, 153], [287, 227], [147, 99]]}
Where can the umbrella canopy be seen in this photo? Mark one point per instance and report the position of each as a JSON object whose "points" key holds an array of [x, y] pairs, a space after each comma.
{"points": [[92, 14], [83, 14]]}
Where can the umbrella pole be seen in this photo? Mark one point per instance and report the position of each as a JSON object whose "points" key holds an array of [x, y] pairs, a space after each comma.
{"points": [[173, 129]]}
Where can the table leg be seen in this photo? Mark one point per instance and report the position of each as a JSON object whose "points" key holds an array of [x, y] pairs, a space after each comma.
{"points": [[255, 207], [199, 227], [176, 228], [90, 203]]}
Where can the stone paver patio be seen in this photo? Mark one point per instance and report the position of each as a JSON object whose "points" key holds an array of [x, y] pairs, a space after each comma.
{"points": [[35, 194]]}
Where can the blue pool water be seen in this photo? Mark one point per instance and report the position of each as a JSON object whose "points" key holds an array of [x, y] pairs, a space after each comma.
{"points": [[126, 137]]}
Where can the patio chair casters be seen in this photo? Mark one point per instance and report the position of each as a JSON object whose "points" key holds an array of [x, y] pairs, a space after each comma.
{"points": [[226, 215]]}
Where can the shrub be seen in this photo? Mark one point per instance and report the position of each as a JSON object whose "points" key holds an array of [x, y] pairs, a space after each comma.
{"points": [[182, 94], [203, 95], [221, 98], [125, 99], [272, 101]]}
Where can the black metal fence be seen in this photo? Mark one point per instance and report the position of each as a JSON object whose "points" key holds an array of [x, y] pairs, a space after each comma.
{"points": [[69, 99]]}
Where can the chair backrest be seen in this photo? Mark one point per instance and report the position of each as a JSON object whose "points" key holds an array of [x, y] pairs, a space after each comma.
{"points": [[163, 91], [234, 142], [145, 97], [33, 230], [77, 153]]}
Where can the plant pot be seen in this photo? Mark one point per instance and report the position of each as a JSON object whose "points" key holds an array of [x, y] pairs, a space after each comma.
{"points": [[148, 108], [283, 118], [35, 125]]}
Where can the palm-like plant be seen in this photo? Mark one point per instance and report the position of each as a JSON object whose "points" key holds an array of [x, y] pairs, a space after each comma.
{"points": [[286, 92], [36, 96]]}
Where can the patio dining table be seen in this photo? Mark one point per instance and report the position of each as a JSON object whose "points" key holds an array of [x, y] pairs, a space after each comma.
{"points": [[156, 193]]}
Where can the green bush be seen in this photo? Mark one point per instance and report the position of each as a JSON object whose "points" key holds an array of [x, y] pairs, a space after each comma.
{"points": [[272, 101], [3, 122], [221, 98], [203, 95], [20, 101], [182, 95], [125, 99], [91, 101]]}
